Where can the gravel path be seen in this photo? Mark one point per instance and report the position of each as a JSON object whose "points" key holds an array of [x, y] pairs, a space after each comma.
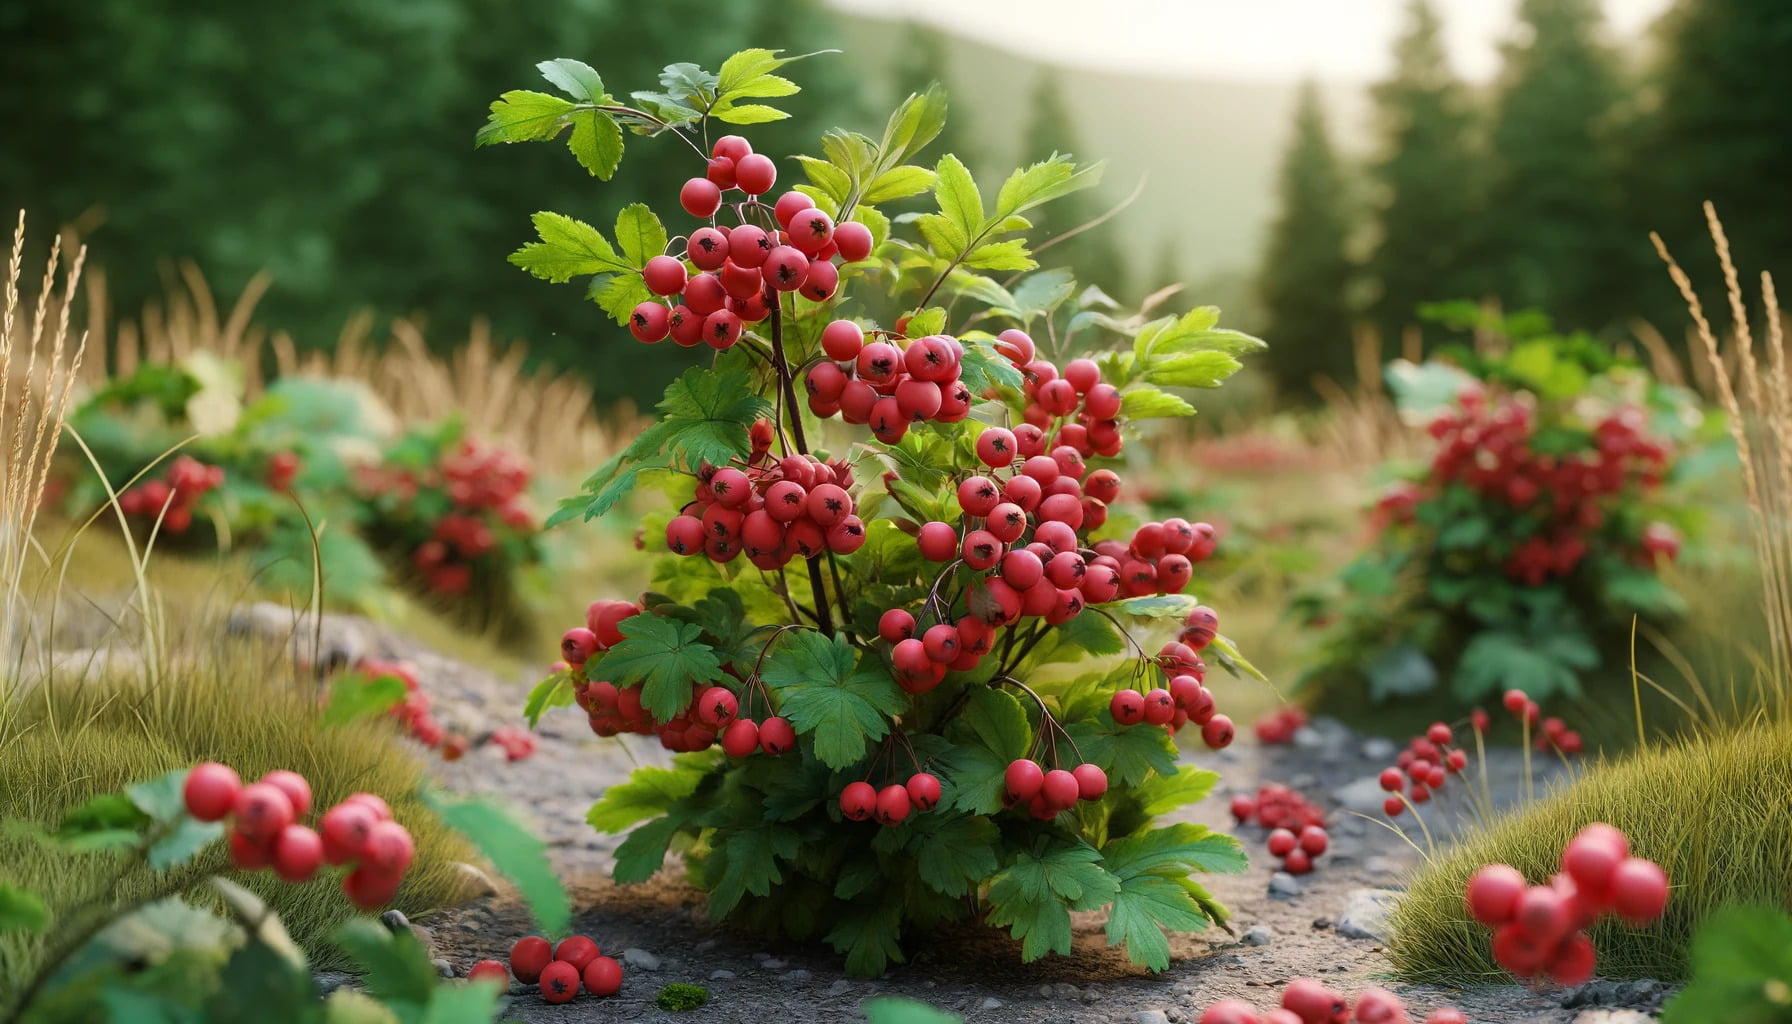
{"points": [[1324, 925]]}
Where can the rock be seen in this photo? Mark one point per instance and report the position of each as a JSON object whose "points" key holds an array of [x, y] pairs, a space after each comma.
{"points": [[772, 963], [705, 946], [395, 921], [1613, 993], [1613, 1017], [443, 967], [1308, 738], [477, 882], [990, 1003], [721, 975], [1379, 748], [1284, 886], [1382, 866], [1065, 990], [839, 988], [797, 975], [1151, 1017], [1363, 795], [1258, 936], [640, 958], [330, 981], [1365, 913]]}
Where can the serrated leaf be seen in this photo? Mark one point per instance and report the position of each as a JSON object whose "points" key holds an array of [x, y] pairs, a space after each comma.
{"points": [[953, 855], [1033, 896], [516, 853], [748, 113], [1042, 182], [568, 248], [914, 123], [354, 695], [162, 798], [21, 910], [105, 815], [1008, 255], [1157, 606], [285, 992], [596, 142], [649, 791], [833, 182], [898, 183], [1147, 402], [983, 368], [1162, 794], [1143, 909], [688, 81], [1130, 754], [668, 658], [870, 937], [643, 851], [553, 692], [975, 775], [462, 1004], [750, 864], [619, 294], [639, 234], [524, 116], [396, 967], [831, 693], [960, 202], [183, 842], [999, 721], [892, 1010], [923, 322], [573, 77], [1192, 370]]}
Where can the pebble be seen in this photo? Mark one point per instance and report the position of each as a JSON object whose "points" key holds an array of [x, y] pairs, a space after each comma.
{"points": [[1284, 886], [705, 946], [1382, 866], [721, 975], [990, 1003], [443, 967], [641, 958], [1365, 913], [772, 963], [797, 975], [1379, 748], [1363, 795], [1307, 738], [1151, 1017], [1611, 993], [330, 981], [840, 988], [1613, 1017], [1258, 936]]}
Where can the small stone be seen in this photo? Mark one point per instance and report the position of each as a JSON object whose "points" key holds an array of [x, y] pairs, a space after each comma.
{"points": [[1258, 936], [1382, 866], [797, 975], [641, 958], [1308, 738], [990, 1003], [443, 967], [1045, 991], [330, 981], [1363, 796], [1064, 990], [1611, 993], [705, 946], [772, 963], [1321, 923], [721, 975], [840, 988], [1365, 914], [1613, 1017], [395, 921], [1379, 748], [1284, 886], [1151, 1017]]}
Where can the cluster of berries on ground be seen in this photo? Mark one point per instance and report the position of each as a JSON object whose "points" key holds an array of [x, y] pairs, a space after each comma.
{"points": [[264, 831], [1279, 726], [1488, 443], [1306, 1001], [1541, 929], [419, 721], [1297, 833], [177, 491], [736, 274], [487, 490], [558, 971]]}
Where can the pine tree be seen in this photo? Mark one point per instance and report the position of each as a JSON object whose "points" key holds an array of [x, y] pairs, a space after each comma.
{"points": [[1719, 133], [1426, 177], [1306, 272], [1554, 226], [1095, 253]]}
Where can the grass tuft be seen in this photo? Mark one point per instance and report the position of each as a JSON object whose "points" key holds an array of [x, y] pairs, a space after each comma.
{"points": [[1712, 811]]}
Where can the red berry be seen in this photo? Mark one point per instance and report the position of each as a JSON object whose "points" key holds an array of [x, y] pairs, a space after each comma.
{"points": [[842, 340], [529, 956], [748, 246], [1493, 894], [1517, 952], [820, 282], [1298, 862], [810, 229], [731, 146], [1023, 779], [665, 275], [1127, 707], [1217, 733], [344, 829], [369, 888], [1515, 701], [1059, 788], [924, 791], [250, 854], [388, 847], [1230, 1011], [755, 174], [1313, 840], [1593, 854], [785, 268], [603, 976], [211, 791], [577, 645], [297, 853], [1439, 733], [1379, 1006], [1281, 842], [650, 322], [740, 738], [700, 197], [1572, 961], [1315, 1003], [893, 804], [776, 736], [854, 240], [938, 541], [717, 706], [262, 810], [1639, 891], [858, 801], [559, 982], [789, 205], [1393, 807], [1160, 707], [1393, 780], [1446, 1015], [577, 950], [1243, 807], [1091, 781], [490, 970]]}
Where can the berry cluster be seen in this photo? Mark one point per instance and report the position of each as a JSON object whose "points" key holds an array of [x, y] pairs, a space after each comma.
{"points": [[486, 488], [559, 971], [861, 801], [1297, 827], [1070, 407], [1280, 725], [1306, 1001], [884, 385], [179, 490], [1184, 701], [415, 714], [1048, 793], [1427, 762], [282, 469], [1487, 444], [1540, 929], [771, 510], [1552, 733], [264, 831], [741, 271]]}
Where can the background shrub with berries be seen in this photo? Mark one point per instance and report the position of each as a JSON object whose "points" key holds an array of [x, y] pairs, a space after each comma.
{"points": [[920, 660], [1537, 530]]}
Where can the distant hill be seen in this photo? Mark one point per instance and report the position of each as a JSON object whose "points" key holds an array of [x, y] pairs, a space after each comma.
{"points": [[1208, 148]]}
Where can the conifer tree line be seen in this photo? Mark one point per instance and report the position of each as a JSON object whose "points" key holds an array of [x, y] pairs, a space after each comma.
{"points": [[1539, 190]]}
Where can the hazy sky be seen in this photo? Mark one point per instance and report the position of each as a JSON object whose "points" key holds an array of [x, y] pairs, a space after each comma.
{"points": [[1252, 39]]}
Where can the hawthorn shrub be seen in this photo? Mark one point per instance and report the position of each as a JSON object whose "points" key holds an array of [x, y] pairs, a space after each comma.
{"points": [[1520, 553], [895, 581]]}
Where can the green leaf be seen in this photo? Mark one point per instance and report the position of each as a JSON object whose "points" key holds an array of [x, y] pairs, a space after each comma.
{"points": [[515, 852], [828, 691], [124, 1004], [183, 843], [553, 692], [396, 966], [618, 294], [354, 695], [999, 721], [931, 320], [1193, 370], [1741, 970], [750, 864], [975, 777], [109, 821], [1174, 852], [162, 798], [1143, 909], [640, 234], [523, 116], [596, 142], [898, 183], [1401, 671], [575, 78], [1008, 255], [284, 992], [953, 855], [749, 74], [1541, 665], [1130, 754], [1157, 606], [960, 202], [667, 658], [641, 855], [1033, 896], [462, 1004], [568, 248], [1163, 793], [1151, 867], [689, 82], [870, 937], [21, 910], [649, 791], [1465, 533], [1147, 402], [892, 1010], [914, 123], [984, 368], [1042, 182]]}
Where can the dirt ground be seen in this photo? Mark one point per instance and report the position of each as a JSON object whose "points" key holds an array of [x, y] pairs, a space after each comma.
{"points": [[661, 933]]}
